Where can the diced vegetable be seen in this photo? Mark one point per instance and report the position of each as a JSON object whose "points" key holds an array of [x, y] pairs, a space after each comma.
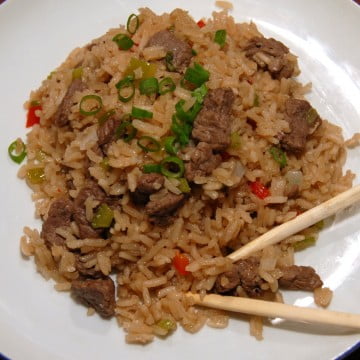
{"points": [[184, 186], [181, 129], [35, 103], [166, 85], [106, 116], [256, 100], [17, 151], [194, 52], [149, 86], [166, 324], [311, 116], [200, 93], [294, 177], [196, 75], [201, 23], [169, 57], [151, 168], [303, 244], [77, 73], [125, 131], [169, 145], [235, 141], [132, 24], [90, 105], [32, 118], [180, 262], [220, 37], [149, 144], [169, 164], [258, 189], [141, 113], [279, 156], [190, 115], [147, 69], [104, 163], [36, 175], [103, 217], [126, 88], [123, 41]]}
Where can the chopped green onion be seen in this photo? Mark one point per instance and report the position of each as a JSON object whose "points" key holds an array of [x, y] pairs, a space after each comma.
{"points": [[189, 115], [235, 140], [152, 144], [106, 116], [103, 217], [169, 61], [17, 151], [132, 24], [147, 69], [169, 163], [166, 324], [220, 37], [138, 113], [36, 175], [184, 186], [149, 86], [77, 73], [279, 156], [151, 168], [303, 244], [194, 52], [126, 88], [196, 75], [87, 106], [123, 41], [200, 93], [169, 144], [35, 103], [256, 100], [166, 85], [126, 131], [311, 116], [104, 163], [182, 130]]}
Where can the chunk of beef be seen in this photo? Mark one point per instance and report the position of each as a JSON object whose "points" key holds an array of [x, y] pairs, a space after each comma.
{"points": [[164, 204], [300, 278], [106, 131], [202, 161], [212, 125], [59, 215], [61, 117], [227, 281], [270, 54], [96, 293], [250, 279], [147, 184], [303, 121], [180, 50]]}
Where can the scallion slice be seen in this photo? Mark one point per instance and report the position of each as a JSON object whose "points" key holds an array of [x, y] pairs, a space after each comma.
{"points": [[149, 144], [132, 24], [166, 85], [200, 93], [17, 151], [151, 168], [169, 57], [220, 37], [169, 145], [184, 186], [123, 41], [182, 130], [169, 163], [126, 88], [149, 86], [189, 115], [138, 113], [279, 156], [197, 75], [125, 131], [90, 105]]}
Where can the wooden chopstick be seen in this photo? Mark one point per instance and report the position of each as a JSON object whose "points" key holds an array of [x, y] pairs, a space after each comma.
{"points": [[273, 309], [301, 222]]}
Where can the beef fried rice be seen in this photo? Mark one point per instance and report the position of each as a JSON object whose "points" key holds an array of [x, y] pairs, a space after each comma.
{"points": [[161, 147]]}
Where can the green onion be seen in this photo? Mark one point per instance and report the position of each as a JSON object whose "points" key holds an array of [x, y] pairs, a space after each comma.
{"points": [[301, 245], [17, 151], [104, 163], [126, 131], [141, 113], [196, 75], [220, 37], [279, 156], [311, 116], [147, 69], [103, 217], [131, 25], [152, 144], [182, 130], [169, 163], [189, 115], [149, 86], [151, 168], [169, 61], [77, 73], [166, 324], [256, 101], [194, 52], [184, 186], [200, 93], [126, 88], [123, 41], [87, 106], [169, 144], [235, 140], [106, 116], [36, 175], [166, 85]]}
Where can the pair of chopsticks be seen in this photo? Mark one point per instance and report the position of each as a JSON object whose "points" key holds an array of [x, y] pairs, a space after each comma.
{"points": [[285, 311]]}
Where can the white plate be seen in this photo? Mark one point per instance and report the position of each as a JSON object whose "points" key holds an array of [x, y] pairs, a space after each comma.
{"points": [[35, 320]]}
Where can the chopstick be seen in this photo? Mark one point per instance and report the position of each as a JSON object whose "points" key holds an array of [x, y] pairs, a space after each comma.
{"points": [[273, 309], [301, 222]]}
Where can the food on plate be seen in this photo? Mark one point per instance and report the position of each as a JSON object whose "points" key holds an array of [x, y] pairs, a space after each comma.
{"points": [[161, 147]]}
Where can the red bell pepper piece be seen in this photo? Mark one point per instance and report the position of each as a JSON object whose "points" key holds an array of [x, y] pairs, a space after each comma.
{"points": [[258, 189], [180, 262], [201, 24], [32, 118]]}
